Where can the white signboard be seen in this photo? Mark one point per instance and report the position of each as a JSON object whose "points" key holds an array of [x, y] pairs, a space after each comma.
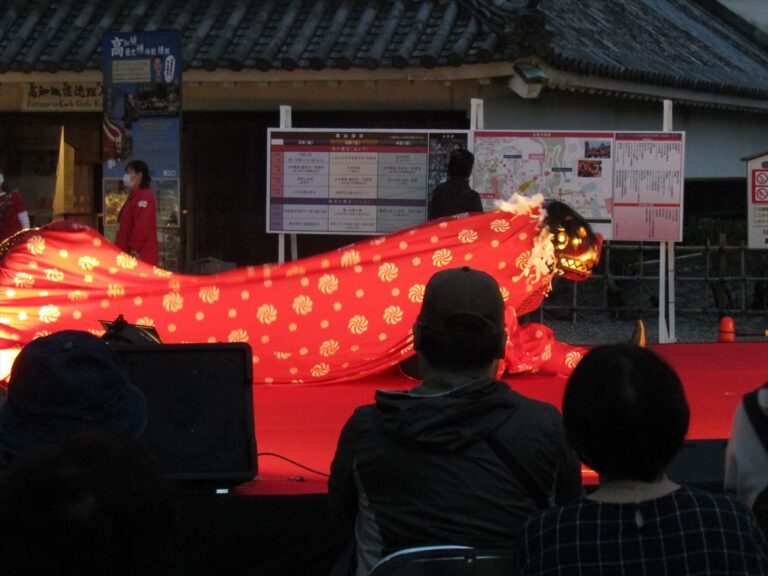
{"points": [[648, 186], [353, 181], [573, 167], [629, 185], [757, 202]]}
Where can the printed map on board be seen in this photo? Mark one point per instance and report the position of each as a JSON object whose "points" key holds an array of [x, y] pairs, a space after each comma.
{"points": [[574, 167]]}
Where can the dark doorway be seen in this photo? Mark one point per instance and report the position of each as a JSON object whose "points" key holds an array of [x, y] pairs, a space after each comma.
{"points": [[715, 207]]}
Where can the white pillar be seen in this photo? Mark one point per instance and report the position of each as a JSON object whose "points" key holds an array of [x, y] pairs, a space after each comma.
{"points": [[286, 121]]}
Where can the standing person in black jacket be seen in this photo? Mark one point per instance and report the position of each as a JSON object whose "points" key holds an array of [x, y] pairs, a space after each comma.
{"points": [[454, 196], [460, 459]]}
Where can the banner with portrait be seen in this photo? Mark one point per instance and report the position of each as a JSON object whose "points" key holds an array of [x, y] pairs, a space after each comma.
{"points": [[142, 121]]}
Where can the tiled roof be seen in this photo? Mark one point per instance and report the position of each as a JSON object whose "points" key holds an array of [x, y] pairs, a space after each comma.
{"points": [[669, 42]]}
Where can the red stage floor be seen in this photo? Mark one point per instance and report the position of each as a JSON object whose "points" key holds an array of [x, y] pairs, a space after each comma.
{"points": [[303, 423]]}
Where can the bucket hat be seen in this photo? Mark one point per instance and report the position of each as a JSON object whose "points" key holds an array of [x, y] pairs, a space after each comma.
{"points": [[64, 382]]}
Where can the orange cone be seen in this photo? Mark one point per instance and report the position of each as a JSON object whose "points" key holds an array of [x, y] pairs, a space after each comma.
{"points": [[727, 331]]}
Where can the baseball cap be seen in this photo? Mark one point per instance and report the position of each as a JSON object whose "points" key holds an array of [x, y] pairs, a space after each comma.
{"points": [[64, 382], [461, 323], [460, 293]]}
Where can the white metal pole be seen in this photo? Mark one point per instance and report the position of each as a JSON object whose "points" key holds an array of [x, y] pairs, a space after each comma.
{"points": [[671, 290], [476, 122], [286, 121], [663, 334], [476, 115], [668, 123]]}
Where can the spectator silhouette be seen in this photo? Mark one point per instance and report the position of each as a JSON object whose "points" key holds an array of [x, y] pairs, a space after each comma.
{"points": [[63, 383], [460, 458], [455, 196], [92, 505], [626, 415]]}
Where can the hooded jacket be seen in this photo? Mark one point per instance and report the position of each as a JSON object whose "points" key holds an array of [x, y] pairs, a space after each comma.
{"points": [[416, 468]]}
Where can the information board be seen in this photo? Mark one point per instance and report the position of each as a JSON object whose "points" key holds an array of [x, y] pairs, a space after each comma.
{"points": [[353, 181], [648, 186], [757, 201], [629, 185]]}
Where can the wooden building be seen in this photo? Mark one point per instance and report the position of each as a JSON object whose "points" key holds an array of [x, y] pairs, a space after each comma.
{"points": [[536, 64]]}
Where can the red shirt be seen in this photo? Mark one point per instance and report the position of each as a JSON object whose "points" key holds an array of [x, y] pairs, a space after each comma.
{"points": [[137, 226], [11, 205]]}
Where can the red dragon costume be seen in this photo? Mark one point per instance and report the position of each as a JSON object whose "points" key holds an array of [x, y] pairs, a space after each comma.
{"points": [[336, 316]]}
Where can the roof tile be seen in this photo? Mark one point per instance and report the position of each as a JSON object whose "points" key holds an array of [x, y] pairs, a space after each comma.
{"points": [[669, 42]]}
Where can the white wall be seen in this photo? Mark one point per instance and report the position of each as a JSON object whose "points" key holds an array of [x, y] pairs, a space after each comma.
{"points": [[753, 11]]}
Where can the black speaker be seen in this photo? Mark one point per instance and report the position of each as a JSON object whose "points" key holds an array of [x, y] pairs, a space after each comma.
{"points": [[199, 409]]}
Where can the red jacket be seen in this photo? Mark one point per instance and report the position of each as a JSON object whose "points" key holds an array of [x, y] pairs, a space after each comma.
{"points": [[137, 226]]}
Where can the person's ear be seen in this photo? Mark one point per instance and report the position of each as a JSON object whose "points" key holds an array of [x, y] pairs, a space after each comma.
{"points": [[417, 336]]}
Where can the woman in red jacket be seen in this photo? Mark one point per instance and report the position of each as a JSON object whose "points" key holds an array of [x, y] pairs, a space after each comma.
{"points": [[137, 222]]}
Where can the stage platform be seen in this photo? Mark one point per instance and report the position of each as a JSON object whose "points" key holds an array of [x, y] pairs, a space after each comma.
{"points": [[278, 524], [303, 423]]}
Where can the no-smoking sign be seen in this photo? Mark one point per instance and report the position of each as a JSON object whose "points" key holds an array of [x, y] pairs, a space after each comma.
{"points": [[760, 186]]}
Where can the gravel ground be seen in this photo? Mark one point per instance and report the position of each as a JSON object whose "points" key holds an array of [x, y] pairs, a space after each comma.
{"points": [[597, 328]]}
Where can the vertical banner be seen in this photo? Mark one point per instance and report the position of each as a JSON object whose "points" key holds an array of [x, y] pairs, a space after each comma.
{"points": [[142, 121]]}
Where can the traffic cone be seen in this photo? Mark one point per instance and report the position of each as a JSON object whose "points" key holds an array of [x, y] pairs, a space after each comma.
{"points": [[727, 331], [638, 336]]}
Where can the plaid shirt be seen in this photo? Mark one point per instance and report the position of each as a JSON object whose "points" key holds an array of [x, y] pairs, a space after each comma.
{"points": [[688, 532]]}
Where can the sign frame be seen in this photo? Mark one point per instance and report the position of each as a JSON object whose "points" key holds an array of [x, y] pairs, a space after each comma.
{"points": [[359, 141], [603, 149]]}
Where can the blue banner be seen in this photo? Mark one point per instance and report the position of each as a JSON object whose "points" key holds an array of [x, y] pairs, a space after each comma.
{"points": [[142, 120]]}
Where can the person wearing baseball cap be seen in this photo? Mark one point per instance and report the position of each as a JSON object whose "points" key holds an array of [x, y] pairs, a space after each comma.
{"points": [[461, 458], [63, 383]]}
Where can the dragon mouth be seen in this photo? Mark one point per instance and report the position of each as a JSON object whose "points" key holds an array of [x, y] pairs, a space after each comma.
{"points": [[578, 265], [572, 267], [577, 247]]}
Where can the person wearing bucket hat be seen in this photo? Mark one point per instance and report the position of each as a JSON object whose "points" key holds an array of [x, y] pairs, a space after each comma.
{"points": [[459, 459], [63, 383]]}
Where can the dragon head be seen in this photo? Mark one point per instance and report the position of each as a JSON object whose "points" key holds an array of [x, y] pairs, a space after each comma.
{"points": [[577, 247]]}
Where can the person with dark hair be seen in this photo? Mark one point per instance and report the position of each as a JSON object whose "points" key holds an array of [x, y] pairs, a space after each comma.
{"points": [[64, 383], [455, 196], [626, 415], [13, 212], [459, 459], [137, 221], [92, 505]]}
